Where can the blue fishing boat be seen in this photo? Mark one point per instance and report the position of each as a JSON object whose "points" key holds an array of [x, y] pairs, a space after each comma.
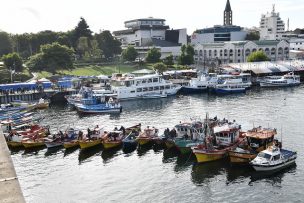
{"points": [[5, 109], [130, 141], [96, 105]]}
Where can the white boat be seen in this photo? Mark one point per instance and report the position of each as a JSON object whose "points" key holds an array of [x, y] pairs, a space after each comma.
{"points": [[281, 81], [233, 83], [131, 87], [200, 84], [273, 159]]}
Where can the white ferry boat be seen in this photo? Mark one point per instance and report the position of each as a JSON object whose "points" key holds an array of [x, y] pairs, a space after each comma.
{"points": [[200, 84], [281, 81], [233, 83], [131, 87]]}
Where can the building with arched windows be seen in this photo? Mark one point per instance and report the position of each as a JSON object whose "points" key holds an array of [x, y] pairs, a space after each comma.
{"points": [[238, 51]]}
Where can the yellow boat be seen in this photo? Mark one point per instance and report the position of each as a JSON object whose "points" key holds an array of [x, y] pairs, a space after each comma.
{"points": [[111, 144], [28, 144], [89, 143], [14, 144], [143, 141], [203, 155], [74, 143], [257, 139]]}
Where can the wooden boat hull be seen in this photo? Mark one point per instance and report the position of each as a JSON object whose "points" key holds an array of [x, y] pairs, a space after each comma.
{"points": [[89, 144], [203, 156], [129, 144], [14, 144], [68, 145], [42, 106], [240, 158], [110, 145], [29, 145], [142, 141]]}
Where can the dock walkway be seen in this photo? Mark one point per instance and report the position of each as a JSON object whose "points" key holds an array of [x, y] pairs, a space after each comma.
{"points": [[10, 188]]}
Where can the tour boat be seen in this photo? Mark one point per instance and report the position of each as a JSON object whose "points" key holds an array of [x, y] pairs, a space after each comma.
{"points": [[273, 159], [200, 84], [131, 87], [217, 144], [256, 140], [286, 80], [92, 139], [228, 84], [147, 136], [112, 139]]}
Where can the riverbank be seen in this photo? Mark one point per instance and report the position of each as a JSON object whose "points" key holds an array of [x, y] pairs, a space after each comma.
{"points": [[9, 184]]}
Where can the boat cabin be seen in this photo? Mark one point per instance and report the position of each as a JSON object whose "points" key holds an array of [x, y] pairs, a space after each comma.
{"points": [[191, 131], [227, 133], [259, 139]]}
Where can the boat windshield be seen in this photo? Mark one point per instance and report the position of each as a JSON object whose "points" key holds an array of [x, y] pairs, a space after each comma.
{"points": [[264, 155]]}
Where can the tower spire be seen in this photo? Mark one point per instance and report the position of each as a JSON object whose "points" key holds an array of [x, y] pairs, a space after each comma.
{"points": [[228, 14]]}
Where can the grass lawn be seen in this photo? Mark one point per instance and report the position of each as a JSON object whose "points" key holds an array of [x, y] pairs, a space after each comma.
{"points": [[97, 70]]}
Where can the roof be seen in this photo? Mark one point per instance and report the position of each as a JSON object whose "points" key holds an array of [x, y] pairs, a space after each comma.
{"points": [[164, 43], [267, 42], [143, 71], [228, 7], [146, 19]]}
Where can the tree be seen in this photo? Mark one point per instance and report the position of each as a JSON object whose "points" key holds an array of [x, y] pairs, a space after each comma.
{"points": [[257, 56], [95, 51], [169, 60], [160, 67], [253, 36], [108, 44], [13, 61], [187, 55], [81, 30], [53, 57], [153, 55], [5, 44], [83, 47], [129, 54]]}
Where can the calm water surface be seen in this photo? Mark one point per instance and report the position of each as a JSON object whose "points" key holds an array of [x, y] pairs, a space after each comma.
{"points": [[157, 175]]}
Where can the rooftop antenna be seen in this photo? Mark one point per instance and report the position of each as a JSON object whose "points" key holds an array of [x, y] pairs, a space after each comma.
{"points": [[273, 8], [288, 25]]}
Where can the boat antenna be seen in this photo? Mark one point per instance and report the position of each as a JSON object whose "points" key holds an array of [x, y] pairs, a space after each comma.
{"points": [[281, 135]]}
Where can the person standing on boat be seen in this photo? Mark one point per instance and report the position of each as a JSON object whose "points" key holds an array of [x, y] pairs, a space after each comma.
{"points": [[89, 134], [123, 130]]}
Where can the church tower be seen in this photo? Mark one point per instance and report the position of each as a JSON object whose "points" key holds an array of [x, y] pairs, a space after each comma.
{"points": [[228, 14]]}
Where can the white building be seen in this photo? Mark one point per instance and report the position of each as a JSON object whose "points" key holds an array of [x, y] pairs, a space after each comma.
{"points": [[146, 33], [296, 44], [220, 33], [237, 52], [272, 26]]}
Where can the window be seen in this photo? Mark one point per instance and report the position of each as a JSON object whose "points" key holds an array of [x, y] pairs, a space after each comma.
{"points": [[150, 88], [167, 87], [145, 89], [143, 81], [162, 87], [133, 91], [276, 157], [155, 79], [139, 90], [150, 80], [156, 88]]}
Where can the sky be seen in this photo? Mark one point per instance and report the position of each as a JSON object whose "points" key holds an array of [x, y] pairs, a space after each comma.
{"points": [[20, 16]]}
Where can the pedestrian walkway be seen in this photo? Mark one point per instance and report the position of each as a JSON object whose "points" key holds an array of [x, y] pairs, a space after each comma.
{"points": [[10, 190]]}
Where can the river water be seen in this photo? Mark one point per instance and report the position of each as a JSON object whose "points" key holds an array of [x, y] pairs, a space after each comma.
{"points": [[157, 175]]}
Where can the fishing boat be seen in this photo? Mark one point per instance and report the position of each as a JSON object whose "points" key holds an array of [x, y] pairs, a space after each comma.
{"points": [[273, 159], [188, 134], [130, 140], [72, 138], [287, 80], [92, 138], [42, 104], [256, 140], [112, 139], [200, 84], [53, 143], [217, 143], [30, 143], [131, 87], [14, 140], [5, 109], [147, 136], [94, 105]]}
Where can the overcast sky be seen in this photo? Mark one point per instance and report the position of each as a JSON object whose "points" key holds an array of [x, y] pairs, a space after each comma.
{"points": [[19, 16]]}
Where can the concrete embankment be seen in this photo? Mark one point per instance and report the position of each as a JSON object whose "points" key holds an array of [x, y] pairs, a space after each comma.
{"points": [[10, 190]]}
